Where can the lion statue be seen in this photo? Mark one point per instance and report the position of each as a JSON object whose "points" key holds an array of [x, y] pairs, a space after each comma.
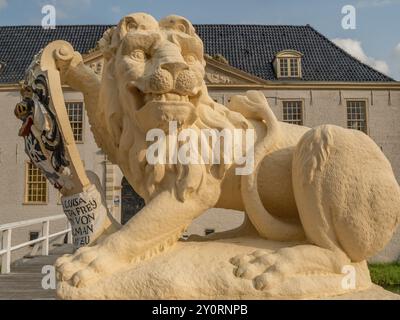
{"points": [[329, 188]]}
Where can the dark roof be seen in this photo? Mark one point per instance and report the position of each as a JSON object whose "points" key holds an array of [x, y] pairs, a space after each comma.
{"points": [[250, 48]]}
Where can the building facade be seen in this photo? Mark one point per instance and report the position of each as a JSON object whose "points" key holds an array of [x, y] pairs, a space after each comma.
{"points": [[306, 78]]}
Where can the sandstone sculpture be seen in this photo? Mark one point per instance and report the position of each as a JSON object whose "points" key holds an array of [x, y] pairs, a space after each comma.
{"points": [[50, 145], [318, 201]]}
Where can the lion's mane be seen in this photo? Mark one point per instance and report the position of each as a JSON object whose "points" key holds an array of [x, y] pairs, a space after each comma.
{"points": [[122, 138]]}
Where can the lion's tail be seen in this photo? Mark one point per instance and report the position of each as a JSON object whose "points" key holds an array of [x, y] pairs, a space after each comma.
{"points": [[255, 105]]}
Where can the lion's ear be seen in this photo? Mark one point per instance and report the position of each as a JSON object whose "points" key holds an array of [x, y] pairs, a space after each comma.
{"points": [[113, 36], [177, 23], [105, 43], [126, 24]]}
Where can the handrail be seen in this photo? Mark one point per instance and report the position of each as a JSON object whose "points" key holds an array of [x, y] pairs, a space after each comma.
{"points": [[26, 223], [6, 235]]}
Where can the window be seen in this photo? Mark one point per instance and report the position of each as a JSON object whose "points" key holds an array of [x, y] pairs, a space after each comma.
{"points": [[75, 114], [284, 67], [293, 112], [294, 67], [36, 185], [288, 64], [357, 115], [289, 68]]}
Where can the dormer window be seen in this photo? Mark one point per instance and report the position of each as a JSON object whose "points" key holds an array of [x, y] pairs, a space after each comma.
{"points": [[287, 64]]}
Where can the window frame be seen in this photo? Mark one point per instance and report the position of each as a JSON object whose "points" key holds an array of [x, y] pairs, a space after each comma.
{"points": [[366, 102], [281, 62], [26, 187], [83, 119], [301, 101], [288, 56], [295, 66]]}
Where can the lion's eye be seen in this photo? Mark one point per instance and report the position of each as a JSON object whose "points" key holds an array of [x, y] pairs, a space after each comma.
{"points": [[138, 55], [131, 26], [190, 59]]}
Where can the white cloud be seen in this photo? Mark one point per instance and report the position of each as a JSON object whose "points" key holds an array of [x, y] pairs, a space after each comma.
{"points": [[396, 57], [376, 3], [397, 50], [3, 4], [354, 48]]}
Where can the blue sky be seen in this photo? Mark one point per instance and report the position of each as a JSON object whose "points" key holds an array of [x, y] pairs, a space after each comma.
{"points": [[376, 39]]}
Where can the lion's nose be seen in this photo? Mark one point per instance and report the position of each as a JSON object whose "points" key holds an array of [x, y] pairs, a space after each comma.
{"points": [[161, 81], [186, 82], [174, 67]]}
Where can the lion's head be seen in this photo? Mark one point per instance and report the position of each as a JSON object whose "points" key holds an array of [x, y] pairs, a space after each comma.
{"points": [[157, 69], [153, 74]]}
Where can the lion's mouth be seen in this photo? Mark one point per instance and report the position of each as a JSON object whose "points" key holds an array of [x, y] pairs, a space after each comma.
{"points": [[159, 109], [166, 97]]}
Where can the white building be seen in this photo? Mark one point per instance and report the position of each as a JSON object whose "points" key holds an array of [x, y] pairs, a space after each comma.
{"points": [[307, 79]]}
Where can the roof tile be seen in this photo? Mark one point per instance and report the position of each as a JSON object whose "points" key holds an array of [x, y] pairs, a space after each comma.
{"points": [[250, 48]]}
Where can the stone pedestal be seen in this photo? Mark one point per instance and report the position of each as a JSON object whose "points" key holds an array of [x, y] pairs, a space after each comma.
{"points": [[203, 270]]}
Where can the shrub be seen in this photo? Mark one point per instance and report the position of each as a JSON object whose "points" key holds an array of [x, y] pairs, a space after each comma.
{"points": [[385, 274]]}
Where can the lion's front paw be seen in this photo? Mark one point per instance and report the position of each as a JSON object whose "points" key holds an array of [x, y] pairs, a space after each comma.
{"points": [[87, 265], [263, 267], [306, 263]]}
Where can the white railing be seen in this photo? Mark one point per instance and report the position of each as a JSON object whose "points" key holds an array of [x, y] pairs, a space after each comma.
{"points": [[44, 239]]}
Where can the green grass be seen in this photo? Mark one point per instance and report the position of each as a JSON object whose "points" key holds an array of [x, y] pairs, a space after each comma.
{"points": [[385, 274]]}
